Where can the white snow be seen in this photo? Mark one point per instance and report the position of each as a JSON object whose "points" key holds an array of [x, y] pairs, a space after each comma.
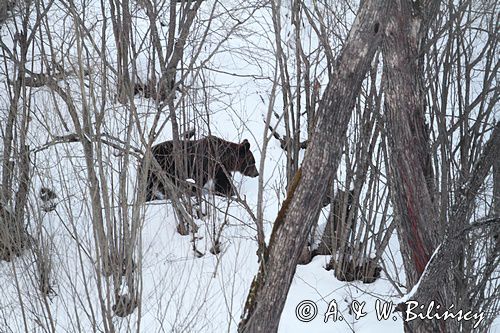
{"points": [[180, 292]]}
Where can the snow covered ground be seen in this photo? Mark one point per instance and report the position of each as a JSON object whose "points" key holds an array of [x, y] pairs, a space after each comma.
{"points": [[180, 292]]}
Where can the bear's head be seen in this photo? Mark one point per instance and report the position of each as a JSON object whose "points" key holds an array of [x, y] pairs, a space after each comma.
{"points": [[246, 161]]}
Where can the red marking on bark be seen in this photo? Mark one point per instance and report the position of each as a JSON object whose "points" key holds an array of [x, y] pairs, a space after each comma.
{"points": [[417, 246]]}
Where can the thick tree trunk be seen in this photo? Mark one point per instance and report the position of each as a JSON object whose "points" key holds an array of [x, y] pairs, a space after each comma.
{"points": [[409, 158], [433, 280], [336, 223], [411, 171], [270, 287]]}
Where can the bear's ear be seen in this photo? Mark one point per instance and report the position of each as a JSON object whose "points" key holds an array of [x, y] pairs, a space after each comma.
{"points": [[244, 146]]}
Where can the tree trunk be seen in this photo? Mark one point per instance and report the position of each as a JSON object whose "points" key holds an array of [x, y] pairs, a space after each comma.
{"points": [[434, 279], [336, 222], [411, 171], [407, 139], [270, 287]]}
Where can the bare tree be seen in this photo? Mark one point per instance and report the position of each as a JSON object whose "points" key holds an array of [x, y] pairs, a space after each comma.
{"points": [[430, 224], [16, 174], [268, 291], [403, 140], [423, 220]]}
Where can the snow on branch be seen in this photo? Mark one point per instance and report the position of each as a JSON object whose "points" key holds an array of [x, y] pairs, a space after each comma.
{"points": [[425, 288]]}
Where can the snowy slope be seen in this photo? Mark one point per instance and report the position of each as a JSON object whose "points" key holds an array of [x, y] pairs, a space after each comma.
{"points": [[180, 292]]}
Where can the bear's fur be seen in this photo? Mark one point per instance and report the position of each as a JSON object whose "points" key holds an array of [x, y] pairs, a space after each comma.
{"points": [[210, 158]]}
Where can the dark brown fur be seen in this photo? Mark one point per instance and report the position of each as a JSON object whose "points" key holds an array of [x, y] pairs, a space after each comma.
{"points": [[210, 158]]}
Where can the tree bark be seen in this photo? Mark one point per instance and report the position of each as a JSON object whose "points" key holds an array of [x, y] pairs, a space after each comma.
{"points": [[410, 159], [409, 150], [431, 282], [270, 287]]}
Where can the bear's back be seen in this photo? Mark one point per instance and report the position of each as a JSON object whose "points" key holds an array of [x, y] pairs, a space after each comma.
{"points": [[204, 153]]}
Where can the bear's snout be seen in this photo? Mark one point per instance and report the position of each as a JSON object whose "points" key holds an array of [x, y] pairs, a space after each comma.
{"points": [[251, 172]]}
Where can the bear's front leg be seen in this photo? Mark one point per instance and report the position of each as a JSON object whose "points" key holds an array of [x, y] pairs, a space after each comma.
{"points": [[155, 190], [222, 184]]}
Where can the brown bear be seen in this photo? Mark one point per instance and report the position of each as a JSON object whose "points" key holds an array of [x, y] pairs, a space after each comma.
{"points": [[206, 159]]}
